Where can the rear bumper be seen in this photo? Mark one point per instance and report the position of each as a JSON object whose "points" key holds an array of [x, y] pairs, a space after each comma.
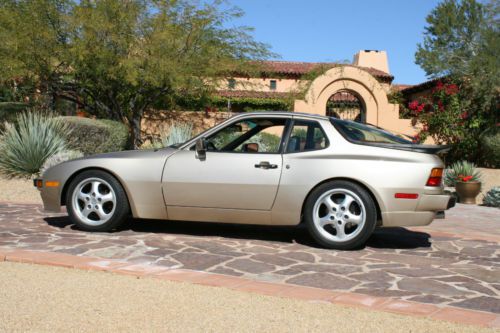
{"points": [[434, 202], [427, 208]]}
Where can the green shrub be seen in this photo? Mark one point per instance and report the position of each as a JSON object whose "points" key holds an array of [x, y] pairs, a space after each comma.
{"points": [[9, 111], [490, 148], [60, 157], [459, 170], [492, 197], [95, 136], [27, 144]]}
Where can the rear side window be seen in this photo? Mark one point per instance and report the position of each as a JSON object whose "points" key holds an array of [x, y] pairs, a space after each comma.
{"points": [[306, 136], [364, 133]]}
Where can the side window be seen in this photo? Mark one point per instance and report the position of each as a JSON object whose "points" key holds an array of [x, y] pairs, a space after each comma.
{"points": [[257, 135], [306, 136]]}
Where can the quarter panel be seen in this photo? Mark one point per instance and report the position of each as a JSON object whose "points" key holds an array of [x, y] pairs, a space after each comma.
{"points": [[383, 171]]}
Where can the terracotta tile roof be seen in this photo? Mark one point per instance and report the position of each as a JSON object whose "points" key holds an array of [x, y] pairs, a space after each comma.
{"points": [[400, 87], [293, 68], [423, 86], [343, 96]]}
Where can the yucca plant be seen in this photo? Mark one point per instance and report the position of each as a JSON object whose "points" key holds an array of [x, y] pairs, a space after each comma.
{"points": [[60, 157], [461, 171], [25, 146], [178, 134], [492, 197]]}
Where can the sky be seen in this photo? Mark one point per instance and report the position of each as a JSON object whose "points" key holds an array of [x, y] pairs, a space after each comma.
{"points": [[333, 30]]}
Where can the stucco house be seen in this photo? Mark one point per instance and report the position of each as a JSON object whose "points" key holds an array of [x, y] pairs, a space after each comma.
{"points": [[358, 91]]}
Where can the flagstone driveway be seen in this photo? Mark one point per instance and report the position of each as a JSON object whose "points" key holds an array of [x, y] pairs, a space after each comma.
{"points": [[455, 261]]}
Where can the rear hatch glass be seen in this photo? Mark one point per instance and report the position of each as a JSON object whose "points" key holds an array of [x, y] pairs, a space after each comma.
{"points": [[370, 135]]}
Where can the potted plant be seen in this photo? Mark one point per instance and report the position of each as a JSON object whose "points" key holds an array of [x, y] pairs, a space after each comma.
{"points": [[466, 179]]}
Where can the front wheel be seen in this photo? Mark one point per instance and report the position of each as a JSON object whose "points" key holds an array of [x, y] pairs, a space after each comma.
{"points": [[96, 201], [340, 215]]}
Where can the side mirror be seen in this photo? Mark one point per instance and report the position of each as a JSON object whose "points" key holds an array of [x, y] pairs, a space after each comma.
{"points": [[201, 149]]}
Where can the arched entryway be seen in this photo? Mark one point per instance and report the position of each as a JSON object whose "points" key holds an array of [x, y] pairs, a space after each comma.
{"points": [[358, 82], [345, 104]]}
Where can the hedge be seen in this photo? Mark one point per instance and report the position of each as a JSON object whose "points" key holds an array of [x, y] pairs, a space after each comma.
{"points": [[490, 148], [95, 136], [9, 112]]}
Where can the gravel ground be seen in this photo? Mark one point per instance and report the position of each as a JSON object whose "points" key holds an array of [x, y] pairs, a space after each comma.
{"points": [[43, 298], [18, 190]]}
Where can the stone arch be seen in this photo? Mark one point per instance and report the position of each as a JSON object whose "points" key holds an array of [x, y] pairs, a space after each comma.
{"points": [[378, 110]]}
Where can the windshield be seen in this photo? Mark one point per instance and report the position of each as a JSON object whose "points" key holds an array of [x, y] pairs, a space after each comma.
{"points": [[357, 132]]}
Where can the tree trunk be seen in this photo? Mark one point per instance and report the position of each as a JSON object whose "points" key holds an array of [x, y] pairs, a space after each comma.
{"points": [[135, 130]]}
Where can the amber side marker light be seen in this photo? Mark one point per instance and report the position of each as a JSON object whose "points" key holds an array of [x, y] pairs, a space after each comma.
{"points": [[51, 184], [435, 178]]}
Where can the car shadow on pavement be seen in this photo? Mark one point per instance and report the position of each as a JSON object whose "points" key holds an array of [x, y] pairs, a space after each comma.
{"points": [[399, 238], [390, 238]]}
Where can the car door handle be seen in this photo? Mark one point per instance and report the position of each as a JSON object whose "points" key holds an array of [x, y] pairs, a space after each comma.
{"points": [[266, 165]]}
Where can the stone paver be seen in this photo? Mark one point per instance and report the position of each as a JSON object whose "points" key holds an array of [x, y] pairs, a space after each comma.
{"points": [[453, 262]]}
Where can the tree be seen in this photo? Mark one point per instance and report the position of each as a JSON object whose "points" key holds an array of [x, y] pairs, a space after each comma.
{"points": [[117, 58], [462, 43]]}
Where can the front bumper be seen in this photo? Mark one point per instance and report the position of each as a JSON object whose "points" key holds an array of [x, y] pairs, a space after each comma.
{"points": [[50, 195]]}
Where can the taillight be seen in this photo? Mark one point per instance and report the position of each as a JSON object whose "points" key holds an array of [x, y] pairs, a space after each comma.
{"points": [[435, 178]]}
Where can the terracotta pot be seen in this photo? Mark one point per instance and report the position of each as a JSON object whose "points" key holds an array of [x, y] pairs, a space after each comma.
{"points": [[468, 191]]}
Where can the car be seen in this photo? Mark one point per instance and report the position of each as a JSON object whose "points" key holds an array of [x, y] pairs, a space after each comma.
{"points": [[342, 179]]}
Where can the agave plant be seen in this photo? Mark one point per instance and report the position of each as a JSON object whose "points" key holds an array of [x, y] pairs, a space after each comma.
{"points": [[178, 134], [492, 197], [60, 157], [461, 171], [25, 146]]}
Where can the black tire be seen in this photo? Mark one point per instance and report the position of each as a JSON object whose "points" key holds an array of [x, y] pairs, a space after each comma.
{"points": [[121, 207], [370, 220]]}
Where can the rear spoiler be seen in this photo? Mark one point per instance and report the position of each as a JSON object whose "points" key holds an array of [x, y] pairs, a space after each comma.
{"points": [[426, 149]]}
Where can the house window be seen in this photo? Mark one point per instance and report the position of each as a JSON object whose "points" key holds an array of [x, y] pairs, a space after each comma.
{"points": [[272, 85], [231, 83]]}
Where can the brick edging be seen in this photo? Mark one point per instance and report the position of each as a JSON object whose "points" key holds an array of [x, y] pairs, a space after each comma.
{"points": [[446, 313]]}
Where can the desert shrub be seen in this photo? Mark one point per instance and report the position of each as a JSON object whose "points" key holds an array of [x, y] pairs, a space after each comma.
{"points": [[95, 136], [27, 144], [60, 157], [178, 133], [492, 197], [461, 171], [151, 145], [490, 148]]}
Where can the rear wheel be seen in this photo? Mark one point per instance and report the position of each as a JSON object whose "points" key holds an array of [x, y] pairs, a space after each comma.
{"points": [[96, 201], [340, 215]]}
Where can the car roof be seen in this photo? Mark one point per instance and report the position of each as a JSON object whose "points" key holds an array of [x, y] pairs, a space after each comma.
{"points": [[280, 113]]}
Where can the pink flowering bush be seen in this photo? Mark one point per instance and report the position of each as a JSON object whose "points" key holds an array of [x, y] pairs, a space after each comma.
{"points": [[441, 115]]}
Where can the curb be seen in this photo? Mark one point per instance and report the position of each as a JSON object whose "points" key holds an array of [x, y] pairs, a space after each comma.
{"points": [[446, 313]]}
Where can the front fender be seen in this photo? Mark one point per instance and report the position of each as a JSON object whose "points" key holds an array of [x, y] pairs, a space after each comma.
{"points": [[139, 172]]}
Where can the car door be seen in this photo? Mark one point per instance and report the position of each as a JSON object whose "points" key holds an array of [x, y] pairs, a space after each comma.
{"points": [[241, 170]]}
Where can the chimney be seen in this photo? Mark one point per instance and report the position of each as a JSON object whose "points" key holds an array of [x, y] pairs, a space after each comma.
{"points": [[372, 58]]}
